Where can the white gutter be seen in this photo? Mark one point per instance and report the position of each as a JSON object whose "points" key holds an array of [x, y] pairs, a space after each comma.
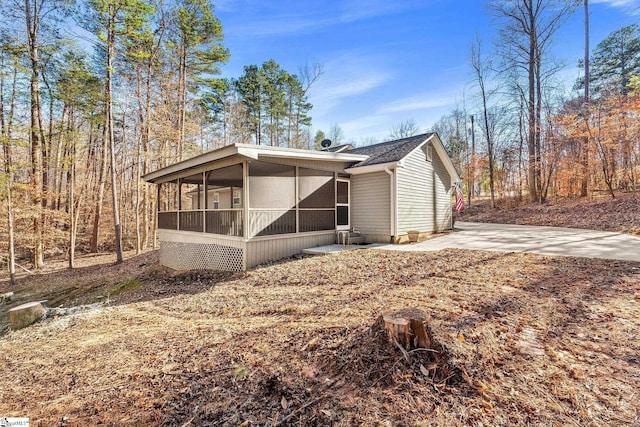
{"points": [[372, 168], [392, 202]]}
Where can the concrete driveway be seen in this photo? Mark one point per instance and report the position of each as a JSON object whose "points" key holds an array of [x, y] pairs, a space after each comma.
{"points": [[540, 240]]}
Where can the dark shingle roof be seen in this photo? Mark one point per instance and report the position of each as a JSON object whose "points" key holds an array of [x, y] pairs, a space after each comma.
{"points": [[338, 148], [387, 152]]}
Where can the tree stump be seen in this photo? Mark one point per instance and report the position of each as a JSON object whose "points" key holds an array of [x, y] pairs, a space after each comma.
{"points": [[408, 328], [26, 314]]}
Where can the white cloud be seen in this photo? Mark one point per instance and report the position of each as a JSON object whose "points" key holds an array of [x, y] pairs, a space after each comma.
{"points": [[420, 102], [350, 74], [366, 125], [632, 7], [355, 10], [350, 86], [263, 19], [617, 3]]}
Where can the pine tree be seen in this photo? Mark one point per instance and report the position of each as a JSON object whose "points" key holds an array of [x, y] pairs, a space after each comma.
{"points": [[196, 39], [112, 19]]}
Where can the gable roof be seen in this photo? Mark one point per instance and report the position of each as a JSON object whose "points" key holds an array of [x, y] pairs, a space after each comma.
{"points": [[390, 151], [390, 154]]}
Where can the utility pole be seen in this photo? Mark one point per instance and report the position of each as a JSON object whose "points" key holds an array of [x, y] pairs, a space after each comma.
{"points": [[472, 188]]}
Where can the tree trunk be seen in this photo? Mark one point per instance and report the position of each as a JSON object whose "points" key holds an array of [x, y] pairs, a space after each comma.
{"points": [[46, 148], [111, 136], [58, 168], [538, 134], [145, 158], [531, 110], [182, 99], [33, 24], [585, 149], [71, 191], [8, 170], [102, 177]]}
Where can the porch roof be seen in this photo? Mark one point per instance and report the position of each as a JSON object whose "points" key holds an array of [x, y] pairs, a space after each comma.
{"points": [[250, 151]]}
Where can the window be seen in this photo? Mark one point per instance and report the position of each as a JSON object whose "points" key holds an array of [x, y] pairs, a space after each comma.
{"points": [[216, 200], [429, 153], [237, 198], [342, 204]]}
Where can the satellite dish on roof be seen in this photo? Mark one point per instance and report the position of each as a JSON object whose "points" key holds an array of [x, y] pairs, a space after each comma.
{"points": [[326, 143]]}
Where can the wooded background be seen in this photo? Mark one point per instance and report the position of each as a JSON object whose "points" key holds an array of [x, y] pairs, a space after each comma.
{"points": [[83, 119]]}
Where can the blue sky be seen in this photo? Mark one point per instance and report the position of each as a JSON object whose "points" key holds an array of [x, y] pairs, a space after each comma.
{"points": [[387, 61]]}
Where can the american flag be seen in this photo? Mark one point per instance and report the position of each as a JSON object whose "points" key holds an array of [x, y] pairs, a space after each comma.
{"points": [[459, 198]]}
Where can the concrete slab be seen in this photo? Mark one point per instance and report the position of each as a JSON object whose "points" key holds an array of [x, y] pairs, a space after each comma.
{"points": [[320, 250], [541, 240]]}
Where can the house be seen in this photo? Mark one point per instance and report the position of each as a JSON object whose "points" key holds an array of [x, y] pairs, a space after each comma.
{"points": [[241, 205]]}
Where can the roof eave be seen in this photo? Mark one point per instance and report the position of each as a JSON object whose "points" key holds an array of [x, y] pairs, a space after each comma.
{"points": [[446, 160], [252, 152], [193, 162], [379, 167], [313, 155]]}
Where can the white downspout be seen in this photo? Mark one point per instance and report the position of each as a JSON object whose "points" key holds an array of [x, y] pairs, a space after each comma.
{"points": [[392, 203]]}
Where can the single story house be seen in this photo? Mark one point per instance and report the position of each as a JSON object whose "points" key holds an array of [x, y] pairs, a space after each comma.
{"points": [[241, 205]]}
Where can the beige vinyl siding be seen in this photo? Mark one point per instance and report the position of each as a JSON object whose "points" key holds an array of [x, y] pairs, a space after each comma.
{"points": [[443, 194], [370, 206], [277, 247], [309, 164], [423, 193], [225, 199]]}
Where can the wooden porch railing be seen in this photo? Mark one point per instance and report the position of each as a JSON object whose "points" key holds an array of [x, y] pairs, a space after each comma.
{"points": [[191, 220], [168, 220], [273, 221], [317, 220], [230, 222]]}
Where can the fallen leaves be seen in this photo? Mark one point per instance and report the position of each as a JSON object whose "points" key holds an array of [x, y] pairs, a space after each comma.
{"points": [[621, 214], [293, 344]]}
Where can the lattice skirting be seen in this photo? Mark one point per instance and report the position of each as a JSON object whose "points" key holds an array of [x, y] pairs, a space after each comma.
{"points": [[197, 256]]}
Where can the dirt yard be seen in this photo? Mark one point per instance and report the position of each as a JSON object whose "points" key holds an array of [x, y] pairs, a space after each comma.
{"points": [[596, 213], [523, 340]]}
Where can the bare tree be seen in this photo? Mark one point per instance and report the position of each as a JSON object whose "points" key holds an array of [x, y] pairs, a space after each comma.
{"points": [[529, 26], [404, 129], [5, 135], [480, 69], [336, 135], [585, 148]]}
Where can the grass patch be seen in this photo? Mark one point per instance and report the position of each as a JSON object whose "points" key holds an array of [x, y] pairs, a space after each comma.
{"points": [[129, 285]]}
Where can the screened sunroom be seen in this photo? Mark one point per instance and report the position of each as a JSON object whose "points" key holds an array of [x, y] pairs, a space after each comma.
{"points": [[242, 205]]}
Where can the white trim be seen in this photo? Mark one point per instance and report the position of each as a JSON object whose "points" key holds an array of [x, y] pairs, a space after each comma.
{"points": [[444, 157], [237, 191], [393, 205], [290, 235], [196, 237], [380, 167], [245, 205], [348, 204], [251, 152]]}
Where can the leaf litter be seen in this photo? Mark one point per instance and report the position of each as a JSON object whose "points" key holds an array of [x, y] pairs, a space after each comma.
{"points": [[522, 339]]}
